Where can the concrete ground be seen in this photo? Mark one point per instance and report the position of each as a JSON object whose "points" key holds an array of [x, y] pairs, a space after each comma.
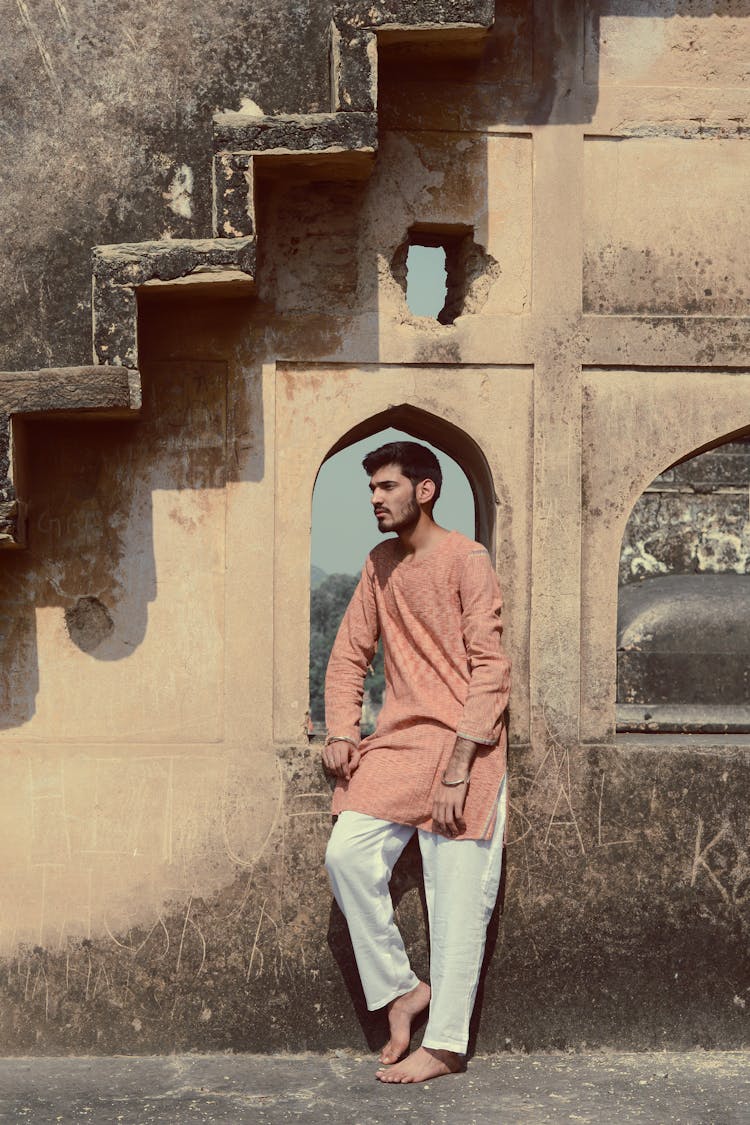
{"points": [[607, 1088]]}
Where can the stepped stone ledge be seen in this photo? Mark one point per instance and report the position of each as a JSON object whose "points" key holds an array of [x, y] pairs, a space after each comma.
{"points": [[98, 392], [121, 268], [333, 145]]}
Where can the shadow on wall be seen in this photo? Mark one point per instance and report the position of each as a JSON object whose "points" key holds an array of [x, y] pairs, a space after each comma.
{"points": [[666, 9], [92, 491], [530, 70]]}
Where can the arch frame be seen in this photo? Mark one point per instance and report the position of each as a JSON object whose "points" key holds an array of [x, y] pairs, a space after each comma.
{"points": [[627, 443], [479, 416]]}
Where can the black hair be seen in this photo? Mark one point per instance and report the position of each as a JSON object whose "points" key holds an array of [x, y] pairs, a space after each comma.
{"points": [[415, 461]]}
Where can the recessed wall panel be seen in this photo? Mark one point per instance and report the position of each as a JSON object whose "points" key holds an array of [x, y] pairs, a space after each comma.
{"points": [[667, 43], [666, 226]]}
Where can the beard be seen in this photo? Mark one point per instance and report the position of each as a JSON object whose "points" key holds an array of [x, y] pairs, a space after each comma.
{"points": [[404, 519]]}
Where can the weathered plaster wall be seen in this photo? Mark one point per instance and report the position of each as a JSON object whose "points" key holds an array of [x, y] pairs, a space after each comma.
{"points": [[663, 252], [163, 817], [108, 108]]}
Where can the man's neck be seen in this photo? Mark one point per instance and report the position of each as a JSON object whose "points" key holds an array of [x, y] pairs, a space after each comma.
{"points": [[424, 536]]}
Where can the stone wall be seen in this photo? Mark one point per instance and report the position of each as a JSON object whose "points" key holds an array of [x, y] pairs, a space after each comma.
{"points": [[693, 519], [164, 817]]}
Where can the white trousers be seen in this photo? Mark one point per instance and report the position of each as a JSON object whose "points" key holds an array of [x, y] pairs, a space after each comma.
{"points": [[461, 879]]}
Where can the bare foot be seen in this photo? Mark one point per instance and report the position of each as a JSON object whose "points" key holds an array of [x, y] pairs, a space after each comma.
{"points": [[401, 1012], [421, 1065]]}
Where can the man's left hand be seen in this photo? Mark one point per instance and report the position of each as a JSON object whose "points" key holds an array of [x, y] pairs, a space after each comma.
{"points": [[447, 809]]}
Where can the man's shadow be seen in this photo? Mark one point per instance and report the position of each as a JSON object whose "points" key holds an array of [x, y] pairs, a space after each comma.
{"points": [[407, 879]]}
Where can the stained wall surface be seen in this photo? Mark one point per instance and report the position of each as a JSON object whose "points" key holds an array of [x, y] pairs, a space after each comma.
{"points": [[163, 816]]}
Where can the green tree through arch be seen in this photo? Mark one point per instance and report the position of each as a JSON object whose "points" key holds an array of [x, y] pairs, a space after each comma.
{"points": [[327, 604]]}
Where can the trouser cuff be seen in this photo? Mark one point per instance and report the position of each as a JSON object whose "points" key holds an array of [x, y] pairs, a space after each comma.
{"points": [[373, 1007], [445, 1045]]}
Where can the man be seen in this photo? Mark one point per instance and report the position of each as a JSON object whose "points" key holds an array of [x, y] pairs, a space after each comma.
{"points": [[435, 763]]}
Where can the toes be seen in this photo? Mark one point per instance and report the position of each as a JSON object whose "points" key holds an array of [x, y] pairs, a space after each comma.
{"points": [[392, 1052]]}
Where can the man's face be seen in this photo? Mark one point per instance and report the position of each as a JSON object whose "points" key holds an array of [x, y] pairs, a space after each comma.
{"points": [[394, 499]]}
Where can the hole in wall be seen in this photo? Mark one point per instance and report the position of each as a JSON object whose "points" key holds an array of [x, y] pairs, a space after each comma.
{"points": [[443, 272], [426, 280], [683, 638], [88, 623]]}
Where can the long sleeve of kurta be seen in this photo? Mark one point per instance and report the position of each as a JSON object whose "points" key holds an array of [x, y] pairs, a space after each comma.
{"points": [[445, 674], [489, 667]]}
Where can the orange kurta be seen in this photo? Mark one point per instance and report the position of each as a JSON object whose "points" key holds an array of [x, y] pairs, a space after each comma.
{"points": [[445, 672]]}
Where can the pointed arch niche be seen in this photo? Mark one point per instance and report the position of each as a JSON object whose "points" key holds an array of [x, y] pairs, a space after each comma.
{"points": [[344, 531], [637, 424], [480, 417], [683, 630], [446, 438]]}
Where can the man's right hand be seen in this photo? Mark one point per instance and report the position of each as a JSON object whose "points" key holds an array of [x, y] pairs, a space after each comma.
{"points": [[341, 759]]}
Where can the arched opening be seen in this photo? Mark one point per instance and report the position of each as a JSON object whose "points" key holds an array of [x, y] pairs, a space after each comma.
{"points": [[344, 530], [683, 635], [447, 440]]}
